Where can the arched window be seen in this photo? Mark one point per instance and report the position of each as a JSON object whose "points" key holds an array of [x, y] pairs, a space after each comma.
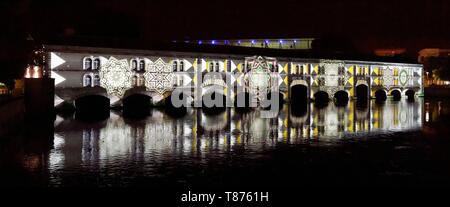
{"points": [[296, 69], [217, 67], [96, 64], [181, 66], [87, 80], [175, 65], [96, 80], [302, 70], [134, 80], [134, 64], [180, 81], [211, 67], [87, 63], [142, 65]]}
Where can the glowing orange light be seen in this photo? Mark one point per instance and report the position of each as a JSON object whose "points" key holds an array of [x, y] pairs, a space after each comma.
{"points": [[28, 73]]}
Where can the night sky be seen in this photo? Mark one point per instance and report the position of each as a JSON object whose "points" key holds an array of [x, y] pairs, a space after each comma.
{"points": [[369, 25]]}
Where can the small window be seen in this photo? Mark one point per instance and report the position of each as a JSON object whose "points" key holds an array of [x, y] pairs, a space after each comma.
{"points": [[96, 80], [134, 64], [217, 67], [87, 80], [211, 67], [175, 65], [181, 66], [87, 64], [297, 68], [142, 65], [96, 64]]}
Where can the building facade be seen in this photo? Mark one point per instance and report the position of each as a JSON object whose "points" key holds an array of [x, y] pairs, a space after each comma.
{"points": [[119, 73]]}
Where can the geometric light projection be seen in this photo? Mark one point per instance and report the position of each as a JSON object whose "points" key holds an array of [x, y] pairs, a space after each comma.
{"points": [[116, 77], [259, 79], [55, 60], [403, 77], [159, 76], [388, 77], [332, 76], [58, 78]]}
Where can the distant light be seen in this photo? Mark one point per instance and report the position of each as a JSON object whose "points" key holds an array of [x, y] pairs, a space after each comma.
{"points": [[295, 41], [239, 42], [253, 41], [267, 41], [213, 42], [281, 41], [199, 42]]}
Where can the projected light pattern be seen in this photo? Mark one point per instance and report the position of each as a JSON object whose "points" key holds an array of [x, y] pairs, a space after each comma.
{"points": [[116, 77], [159, 76]]}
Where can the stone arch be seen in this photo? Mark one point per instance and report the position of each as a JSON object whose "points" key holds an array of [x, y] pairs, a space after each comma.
{"points": [[362, 92], [396, 94], [299, 93], [381, 95], [410, 93]]}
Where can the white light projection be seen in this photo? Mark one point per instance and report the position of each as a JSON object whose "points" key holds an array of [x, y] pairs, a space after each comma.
{"points": [[116, 77], [332, 75], [55, 61], [259, 79], [159, 76], [388, 77]]}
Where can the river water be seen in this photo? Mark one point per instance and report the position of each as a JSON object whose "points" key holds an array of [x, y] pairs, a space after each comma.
{"points": [[379, 144]]}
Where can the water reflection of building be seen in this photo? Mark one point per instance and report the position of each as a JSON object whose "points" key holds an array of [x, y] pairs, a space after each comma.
{"points": [[117, 140]]}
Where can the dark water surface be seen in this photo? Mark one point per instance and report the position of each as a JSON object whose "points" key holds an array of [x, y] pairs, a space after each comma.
{"points": [[389, 144]]}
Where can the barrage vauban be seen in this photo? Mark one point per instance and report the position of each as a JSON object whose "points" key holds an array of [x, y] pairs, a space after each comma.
{"points": [[198, 197]]}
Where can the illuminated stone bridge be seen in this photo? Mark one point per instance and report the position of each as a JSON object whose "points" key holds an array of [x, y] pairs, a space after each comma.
{"points": [[117, 74]]}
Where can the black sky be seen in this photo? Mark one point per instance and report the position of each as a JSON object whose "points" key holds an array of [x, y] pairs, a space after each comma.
{"points": [[372, 24]]}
